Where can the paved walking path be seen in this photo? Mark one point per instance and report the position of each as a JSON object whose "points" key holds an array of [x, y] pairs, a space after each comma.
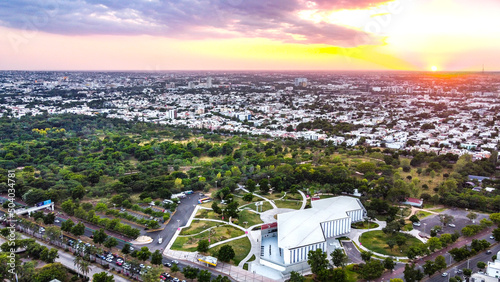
{"points": [[259, 196], [304, 200]]}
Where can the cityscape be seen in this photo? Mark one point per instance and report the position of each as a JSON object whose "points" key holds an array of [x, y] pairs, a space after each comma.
{"points": [[232, 140]]}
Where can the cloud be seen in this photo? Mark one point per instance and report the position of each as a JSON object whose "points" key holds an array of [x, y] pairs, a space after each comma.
{"points": [[185, 19]]}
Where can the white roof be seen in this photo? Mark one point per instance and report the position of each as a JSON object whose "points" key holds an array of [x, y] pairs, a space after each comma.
{"points": [[302, 227]]}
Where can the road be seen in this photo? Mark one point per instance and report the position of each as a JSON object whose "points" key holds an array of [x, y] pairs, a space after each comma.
{"points": [[352, 252], [485, 234], [180, 218]]}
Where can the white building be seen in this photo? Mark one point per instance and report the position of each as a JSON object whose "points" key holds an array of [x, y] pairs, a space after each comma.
{"points": [[296, 233], [493, 268]]}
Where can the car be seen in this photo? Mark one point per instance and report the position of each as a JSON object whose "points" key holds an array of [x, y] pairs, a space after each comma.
{"points": [[87, 244], [167, 264], [488, 251], [480, 272], [57, 221], [79, 241], [176, 279], [175, 261], [459, 271], [452, 225], [416, 223], [167, 275], [444, 274], [141, 265], [109, 260], [131, 248], [148, 267], [119, 263], [102, 257], [163, 278], [492, 237], [119, 260], [126, 266]]}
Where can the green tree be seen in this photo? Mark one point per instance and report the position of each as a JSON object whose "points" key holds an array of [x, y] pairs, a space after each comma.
{"points": [[339, 258], [110, 243], [366, 255], [440, 263], [339, 275], [472, 215], [389, 263], [429, 268], [296, 277], [67, 225], [411, 274], [144, 254], [226, 253], [467, 272], [216, 208], [156, 258], [49, 218], [434, 243], [103, 277], [68, 207], [51, 271], [414, 218], [481, 265], [78, 229], [204, 276], [203, 246], [190, 272], [152, 275], [317, 260], [372, 269], [99, 236], [174, 268]]}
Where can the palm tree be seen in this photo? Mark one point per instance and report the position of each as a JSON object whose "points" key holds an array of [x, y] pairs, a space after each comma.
{"points": [[77, 262], [85, 267]]}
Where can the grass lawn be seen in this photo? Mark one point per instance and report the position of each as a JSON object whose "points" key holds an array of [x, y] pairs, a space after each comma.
{"points": [[241, 249], [364, 225], [351, 275], [197, 226], [202, 213], [408, 227], [265, 206], [288, 204], [273, 196], [439, 210], [249, 217], [377, 242], [422, 214], [218, 234]]}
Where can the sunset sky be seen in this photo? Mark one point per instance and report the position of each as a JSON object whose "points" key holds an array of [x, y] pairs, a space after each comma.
{"points": [[452, 35]]}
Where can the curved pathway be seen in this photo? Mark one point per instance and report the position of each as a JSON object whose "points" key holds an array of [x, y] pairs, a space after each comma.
{"points": [[259, 196], [304, 200]]}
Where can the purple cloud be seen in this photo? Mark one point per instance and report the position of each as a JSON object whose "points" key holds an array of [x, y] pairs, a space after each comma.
{"points": [[198, 19]]}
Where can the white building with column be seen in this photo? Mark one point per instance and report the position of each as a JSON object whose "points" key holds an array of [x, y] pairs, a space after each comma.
{"points": [[493, 268], [301, 231]]}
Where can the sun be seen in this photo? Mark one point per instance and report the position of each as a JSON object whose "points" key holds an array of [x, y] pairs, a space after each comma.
{"points": [[434, 68]]}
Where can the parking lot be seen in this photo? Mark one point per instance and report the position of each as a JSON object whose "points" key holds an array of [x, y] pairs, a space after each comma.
{"points": [[460, 221]]}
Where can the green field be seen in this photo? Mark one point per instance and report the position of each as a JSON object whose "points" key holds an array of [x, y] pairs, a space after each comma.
{"points": [[241, 249], [376, 241], [265, 206], [422, 214], [288, 204], [202, 213], [198, 226], [247, 216], [217, 234]]}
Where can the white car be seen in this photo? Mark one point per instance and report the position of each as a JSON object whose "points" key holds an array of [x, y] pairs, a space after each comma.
{"points": [[141, 265], [444, 274], [452, 225], [416, 223], [57, 221], [109, 259], [119, 260], [492, 237]]}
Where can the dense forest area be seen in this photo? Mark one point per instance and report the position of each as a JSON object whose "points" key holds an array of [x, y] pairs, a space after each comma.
{"points": [[72, 156]]}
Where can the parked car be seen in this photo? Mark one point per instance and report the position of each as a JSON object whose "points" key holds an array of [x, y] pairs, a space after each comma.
{"points": [[444, 274], [416, 223], [109, 260], [488, 251], [119, 263], [492, 237], [167, 264], [452, 225]]}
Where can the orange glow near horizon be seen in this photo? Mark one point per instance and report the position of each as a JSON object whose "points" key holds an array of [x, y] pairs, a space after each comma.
{"points": [[407, 35]]}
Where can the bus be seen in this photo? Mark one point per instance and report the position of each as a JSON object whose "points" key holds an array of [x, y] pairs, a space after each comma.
{"points": [[204, 200]]}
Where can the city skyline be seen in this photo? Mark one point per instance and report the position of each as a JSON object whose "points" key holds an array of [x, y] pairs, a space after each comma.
{"points": [[439, 35]]}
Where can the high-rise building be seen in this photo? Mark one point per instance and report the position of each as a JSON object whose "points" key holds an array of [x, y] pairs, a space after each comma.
{"points": [[172, 114], [301, 81], [209, 82]]}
